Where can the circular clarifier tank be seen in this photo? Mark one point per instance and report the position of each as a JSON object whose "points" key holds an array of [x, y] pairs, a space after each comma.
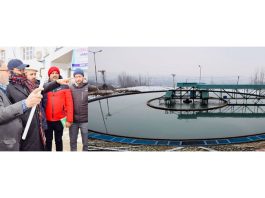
{"points": [[128, 119]]}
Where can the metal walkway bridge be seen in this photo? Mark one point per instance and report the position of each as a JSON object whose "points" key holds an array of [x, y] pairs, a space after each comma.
{"points": [[241, 93], [229, 94]]}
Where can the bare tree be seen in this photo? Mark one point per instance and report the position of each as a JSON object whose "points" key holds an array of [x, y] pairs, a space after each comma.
{"points": [[258, 77], [125, 80]]}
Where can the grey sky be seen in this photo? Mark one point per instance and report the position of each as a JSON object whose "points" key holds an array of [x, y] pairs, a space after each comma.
{"points": [[215, 61]]}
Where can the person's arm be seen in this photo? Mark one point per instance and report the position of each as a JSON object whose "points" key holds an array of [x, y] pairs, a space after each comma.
{"points": [[47, 87], [13, 111], [54, 84], [10, 112]]}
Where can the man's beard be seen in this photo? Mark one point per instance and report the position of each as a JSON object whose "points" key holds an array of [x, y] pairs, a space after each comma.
{"points": [[79, 83]]}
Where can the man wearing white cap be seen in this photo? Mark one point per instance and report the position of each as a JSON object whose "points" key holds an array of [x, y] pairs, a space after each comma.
{"points": [[31, 73]]}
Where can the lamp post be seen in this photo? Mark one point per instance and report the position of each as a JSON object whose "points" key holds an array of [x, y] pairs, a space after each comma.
{"points": [[173, 75], [200, 73], [94, 53]]}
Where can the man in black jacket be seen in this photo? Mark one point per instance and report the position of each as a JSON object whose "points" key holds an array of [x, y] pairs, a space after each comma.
{"points": [[18, 89], [11, 127]]}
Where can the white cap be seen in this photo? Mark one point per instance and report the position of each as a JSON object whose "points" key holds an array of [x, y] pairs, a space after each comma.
{"points": [[31, 68]]}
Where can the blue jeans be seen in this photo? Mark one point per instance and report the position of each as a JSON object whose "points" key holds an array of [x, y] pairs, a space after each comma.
{"points": [[73, 134]]}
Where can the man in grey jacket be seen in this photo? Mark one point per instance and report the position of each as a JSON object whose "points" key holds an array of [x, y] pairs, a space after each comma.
{"points": [[11, 128], [80, 98]]}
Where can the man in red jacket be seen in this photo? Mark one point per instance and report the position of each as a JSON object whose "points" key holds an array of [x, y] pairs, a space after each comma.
{"points": [[58, 105]]}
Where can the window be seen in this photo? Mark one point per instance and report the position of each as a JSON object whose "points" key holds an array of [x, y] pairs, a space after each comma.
{"points": [[2, 55], [27, 53]]}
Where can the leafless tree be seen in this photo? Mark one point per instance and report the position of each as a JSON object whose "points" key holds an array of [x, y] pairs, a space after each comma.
{"points": [[258, 77], [125, 80]]}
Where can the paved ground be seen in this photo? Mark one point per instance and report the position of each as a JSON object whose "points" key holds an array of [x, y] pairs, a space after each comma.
{"points": [[66, 141]]}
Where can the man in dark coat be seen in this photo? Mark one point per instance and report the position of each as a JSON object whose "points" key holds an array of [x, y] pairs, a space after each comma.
{"points": [[80, 91], [11, 127], [31, 75], [18, 89]]}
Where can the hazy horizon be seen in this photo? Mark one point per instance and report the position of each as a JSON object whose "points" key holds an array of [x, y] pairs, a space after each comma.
{"points": [[182, 61], [217, 63]]}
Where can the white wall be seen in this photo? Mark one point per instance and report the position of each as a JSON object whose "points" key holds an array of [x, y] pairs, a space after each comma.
{"points": [[16, 52]]}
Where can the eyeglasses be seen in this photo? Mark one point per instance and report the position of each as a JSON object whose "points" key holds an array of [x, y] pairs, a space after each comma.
{"points": [[4, 70]]}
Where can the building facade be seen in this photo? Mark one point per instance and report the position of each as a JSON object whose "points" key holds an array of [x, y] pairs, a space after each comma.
{"points": [[42, 58]]}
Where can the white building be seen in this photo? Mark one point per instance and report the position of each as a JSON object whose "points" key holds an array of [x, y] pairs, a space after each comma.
{"points": [[42, 58]]}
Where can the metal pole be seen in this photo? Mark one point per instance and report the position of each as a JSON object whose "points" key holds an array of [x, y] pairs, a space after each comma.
{"points": [[108, 108], [94, 54], [236, 89], [103, 116], [200, 74], [174, 81], [173, 75]]}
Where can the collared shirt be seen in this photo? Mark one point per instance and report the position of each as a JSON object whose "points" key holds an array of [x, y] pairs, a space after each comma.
{"points": [[3, 87], [24, 106]]}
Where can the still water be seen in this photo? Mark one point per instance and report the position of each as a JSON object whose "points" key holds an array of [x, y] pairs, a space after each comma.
{"points": [[129, 116]]}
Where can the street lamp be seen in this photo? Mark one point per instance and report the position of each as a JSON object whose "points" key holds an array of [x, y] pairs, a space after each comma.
{"points": [[173, 75], [94, 53], [200, 73]]}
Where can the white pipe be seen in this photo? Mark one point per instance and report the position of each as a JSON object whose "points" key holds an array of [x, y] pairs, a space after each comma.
{"points": [[31, 116]]}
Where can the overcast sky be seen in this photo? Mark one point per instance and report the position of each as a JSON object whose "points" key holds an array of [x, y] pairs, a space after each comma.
{"points": [[215, 61]]}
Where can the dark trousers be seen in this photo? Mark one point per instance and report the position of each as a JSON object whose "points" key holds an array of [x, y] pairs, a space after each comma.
{"points": [[57, 127]]}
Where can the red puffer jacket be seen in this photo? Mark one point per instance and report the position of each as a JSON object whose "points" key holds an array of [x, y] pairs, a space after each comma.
{"points": [[59, 104]]}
